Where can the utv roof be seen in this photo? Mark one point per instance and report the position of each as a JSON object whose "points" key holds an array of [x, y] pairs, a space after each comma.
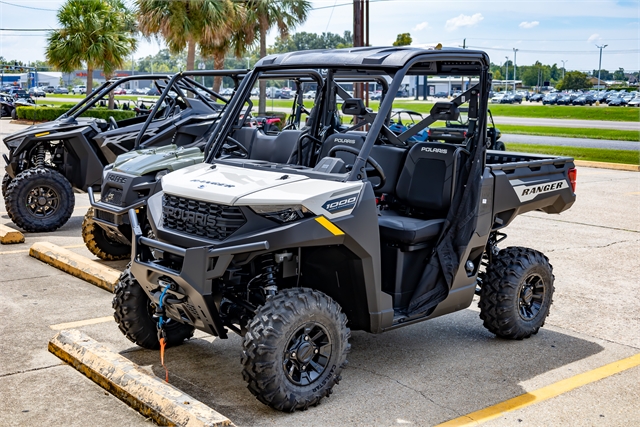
{"points": [[370, 57]]}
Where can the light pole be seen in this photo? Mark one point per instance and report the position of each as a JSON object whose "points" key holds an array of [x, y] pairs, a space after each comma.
{"points": [[515, 51], [600, 65], [506, 77], [563, 61]]}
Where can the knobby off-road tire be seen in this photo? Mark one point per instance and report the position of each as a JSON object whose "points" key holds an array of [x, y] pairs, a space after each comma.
{"points": [[295, 349], [133, 312], [516, 293], [39, 200], [14, 114], [500, 146], [99, 243], [6, 180]]}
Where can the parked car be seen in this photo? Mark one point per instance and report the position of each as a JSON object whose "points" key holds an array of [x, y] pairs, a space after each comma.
{"points": [[550, 99], [440, 95], [536, 98], [310, 94], [153, 92], [79, 90], [37, 92], [49, 89], [635, 102], [120, 91], [617, 101], [61, 90], [497, 99], [16, 93], [584, 100], [564, 100]]}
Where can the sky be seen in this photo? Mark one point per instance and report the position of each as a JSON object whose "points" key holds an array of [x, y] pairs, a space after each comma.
{"points": [[547, 31]]}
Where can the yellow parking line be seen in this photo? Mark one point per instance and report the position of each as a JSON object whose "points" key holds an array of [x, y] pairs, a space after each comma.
{"points": [[71, 325], [27, 250], [544, 393]]}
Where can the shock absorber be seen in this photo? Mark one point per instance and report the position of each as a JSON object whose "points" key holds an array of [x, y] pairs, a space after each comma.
{"points": [[269, 275], [40, 156]]}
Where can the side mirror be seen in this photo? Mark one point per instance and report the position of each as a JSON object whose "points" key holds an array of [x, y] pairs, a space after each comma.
{"points": [[354, 107], [445, 111]]}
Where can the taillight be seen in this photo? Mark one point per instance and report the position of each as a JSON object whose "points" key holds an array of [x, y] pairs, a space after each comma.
{"points": [[573, 175]]}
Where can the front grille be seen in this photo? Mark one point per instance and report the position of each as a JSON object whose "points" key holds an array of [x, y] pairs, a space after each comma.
{"points": [[204, 219], [112, 196], [105, 216]]}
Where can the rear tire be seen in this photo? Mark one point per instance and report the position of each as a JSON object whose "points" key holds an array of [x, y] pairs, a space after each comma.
{"points": [[517, 293], [133, 312], [39, 200], [500, 146], [99, 243], [14, 114], [295, 349]]}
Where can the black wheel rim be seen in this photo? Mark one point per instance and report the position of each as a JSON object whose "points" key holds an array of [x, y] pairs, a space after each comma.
{"points": [[307, 354], [531, 297], [42, 201]]}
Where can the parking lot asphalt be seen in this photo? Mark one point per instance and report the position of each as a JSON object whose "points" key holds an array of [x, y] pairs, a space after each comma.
{"points": [[421, 375]]}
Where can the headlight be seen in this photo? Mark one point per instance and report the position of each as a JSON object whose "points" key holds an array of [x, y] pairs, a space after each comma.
{"points": [[161, 173], [12, 144], [283, 213]]}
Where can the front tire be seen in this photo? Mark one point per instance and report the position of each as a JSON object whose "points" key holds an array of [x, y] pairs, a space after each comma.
{"points": [[295, 349], [517, 293], [39, 200], [500, 146], [14, 114], [99, 243], [6, 180], [133, 312]]}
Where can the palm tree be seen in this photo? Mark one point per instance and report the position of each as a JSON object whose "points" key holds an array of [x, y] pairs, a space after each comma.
{"points": [[98, 33], [285, 15], [240, 33], [186, 23]]}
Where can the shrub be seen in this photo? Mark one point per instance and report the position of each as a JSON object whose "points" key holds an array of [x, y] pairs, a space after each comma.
{"points": [[47, 114]]}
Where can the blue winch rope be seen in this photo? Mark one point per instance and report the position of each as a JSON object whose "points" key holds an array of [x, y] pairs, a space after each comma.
{"points": [[162, 295]]}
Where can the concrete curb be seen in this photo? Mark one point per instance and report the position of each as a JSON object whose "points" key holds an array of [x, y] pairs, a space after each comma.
{"points": [[152, 397], [10, 236], [76, 265], [605, 165]]}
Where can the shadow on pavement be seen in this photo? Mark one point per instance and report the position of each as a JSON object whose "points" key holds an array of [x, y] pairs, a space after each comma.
{"points": [[424, 374]]}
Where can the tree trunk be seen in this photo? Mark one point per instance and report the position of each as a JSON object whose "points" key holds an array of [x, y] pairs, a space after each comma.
{"points": [[191, 60], [191, 55], [111, 94], [262, 103], [218, 64], [89, 79]]}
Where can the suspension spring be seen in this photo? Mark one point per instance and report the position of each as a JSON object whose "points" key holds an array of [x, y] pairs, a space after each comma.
{"points": [[269, 275], [40, 156]]}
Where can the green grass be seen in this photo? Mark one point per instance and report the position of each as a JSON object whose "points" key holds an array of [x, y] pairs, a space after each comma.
{"points": [[625, 114], [630, 157], [619, 135]]}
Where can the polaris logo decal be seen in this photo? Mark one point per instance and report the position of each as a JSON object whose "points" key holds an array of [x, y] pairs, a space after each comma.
{"points": [[345, 141], [219, 184], [116, 178], [196, 218], [529, 192], [341, 204], [434, 150]]}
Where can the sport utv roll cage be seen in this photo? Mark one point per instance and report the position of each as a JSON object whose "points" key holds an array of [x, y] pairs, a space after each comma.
{"points": [[435, 62]]}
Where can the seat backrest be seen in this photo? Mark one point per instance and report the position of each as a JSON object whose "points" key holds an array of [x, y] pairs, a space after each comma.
{"points": [[349, 139], [276, 149], [427, 180]]}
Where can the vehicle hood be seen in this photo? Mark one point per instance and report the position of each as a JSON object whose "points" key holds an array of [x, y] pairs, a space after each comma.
{"points": [[45, 129], [170, 157], [234, 185]]}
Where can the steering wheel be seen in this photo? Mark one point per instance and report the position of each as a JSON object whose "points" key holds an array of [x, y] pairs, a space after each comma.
{"points": [[112, 123], [234, 149], [376, 167]]}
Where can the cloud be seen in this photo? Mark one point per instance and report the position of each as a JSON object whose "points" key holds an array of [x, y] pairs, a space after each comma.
{"points": [[526, 25], [593, 38], [421, 26], [463, 21]]}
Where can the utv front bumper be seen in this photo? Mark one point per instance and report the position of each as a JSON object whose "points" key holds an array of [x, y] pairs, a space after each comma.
{"points": [[191, 273]]}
